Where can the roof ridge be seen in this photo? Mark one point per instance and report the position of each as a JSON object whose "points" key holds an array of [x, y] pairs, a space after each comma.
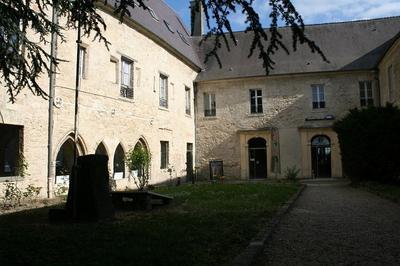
{"points": [[334, 23], [351, 21]]}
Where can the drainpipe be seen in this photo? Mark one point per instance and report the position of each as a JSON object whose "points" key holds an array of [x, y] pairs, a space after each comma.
{"points": [[195, 113], [52, 82], [76, 120]]}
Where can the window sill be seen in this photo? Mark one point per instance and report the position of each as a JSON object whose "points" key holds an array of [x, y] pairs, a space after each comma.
{"points": [[163, 109], [128, 100], [319, 110], [256, 115], [10, 178], [210, 118], [188, 116]]}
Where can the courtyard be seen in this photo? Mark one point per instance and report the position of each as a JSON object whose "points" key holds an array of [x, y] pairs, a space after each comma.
{"points": [[204, 225], [333, 223]]}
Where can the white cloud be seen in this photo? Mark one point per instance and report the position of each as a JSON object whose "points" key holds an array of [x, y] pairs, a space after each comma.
{"points": [[315, 11], [319, 11]]}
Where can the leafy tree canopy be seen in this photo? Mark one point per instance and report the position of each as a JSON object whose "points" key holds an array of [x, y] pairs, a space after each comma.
{"points": [[24, 57]]}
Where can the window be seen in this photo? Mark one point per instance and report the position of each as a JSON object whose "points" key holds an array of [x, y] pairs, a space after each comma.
{"points": [[10, 149], [82, 62], [163, 91], [209, 104], [256, 106], [8, 38], [366, 93], [164, 154], [318, 96], [187, 101], [126, 78], [391, 82]]}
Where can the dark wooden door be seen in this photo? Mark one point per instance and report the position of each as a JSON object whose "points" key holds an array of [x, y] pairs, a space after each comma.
{"points": [[321, 161], [189, 163], [258, 163]]}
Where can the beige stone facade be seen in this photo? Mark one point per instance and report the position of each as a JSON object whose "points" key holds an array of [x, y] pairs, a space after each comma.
{"points": [[287, 111], [104, 115], [389, 75]]}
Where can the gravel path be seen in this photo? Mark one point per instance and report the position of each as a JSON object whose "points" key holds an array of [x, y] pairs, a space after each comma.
{"points": [[334, 224]]}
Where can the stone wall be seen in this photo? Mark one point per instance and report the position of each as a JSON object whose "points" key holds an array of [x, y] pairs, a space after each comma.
{"points": [[104, 116], [392, 58], [287, 102]]}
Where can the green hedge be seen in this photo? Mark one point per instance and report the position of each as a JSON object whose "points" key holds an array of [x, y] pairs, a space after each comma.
{"points": [[370, 143]]}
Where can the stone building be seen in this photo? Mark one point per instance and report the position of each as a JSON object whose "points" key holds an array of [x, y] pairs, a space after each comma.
{"points": [[153, 89], [138, 92], [259, 125]]}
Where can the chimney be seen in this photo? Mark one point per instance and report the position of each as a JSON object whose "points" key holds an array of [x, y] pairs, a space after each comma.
{"points": [[197, 18]]}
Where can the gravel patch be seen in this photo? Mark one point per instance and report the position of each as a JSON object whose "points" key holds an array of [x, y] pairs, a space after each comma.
{"points": [[335, 224]]}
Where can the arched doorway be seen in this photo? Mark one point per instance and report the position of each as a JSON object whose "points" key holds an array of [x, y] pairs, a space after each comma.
{"points": [[119, 162], [257, 158], [101, 150], [65, 160], [321, 157], [141, 144]]}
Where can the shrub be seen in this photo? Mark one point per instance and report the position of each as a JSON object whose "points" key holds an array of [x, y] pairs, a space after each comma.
{"points": [[291, 173], [31, 192], [61, 190], [369, 143], [12, 195], [139, 159]]}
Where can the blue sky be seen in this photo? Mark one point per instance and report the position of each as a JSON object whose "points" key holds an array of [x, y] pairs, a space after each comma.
{"points": [[313, 11]]}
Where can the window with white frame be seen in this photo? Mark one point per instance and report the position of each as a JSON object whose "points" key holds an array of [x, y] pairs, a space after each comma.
{"points": [[366, 93], [163, 91], [209, 104], [187, 101], [126, 78], [83, 62], [164, 154], [391, 82], [256, 105], [11, 137], [318, 96]]}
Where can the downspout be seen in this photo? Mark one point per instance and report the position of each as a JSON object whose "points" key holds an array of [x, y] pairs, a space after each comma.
{"points": [[195, 101], [52, 83]]}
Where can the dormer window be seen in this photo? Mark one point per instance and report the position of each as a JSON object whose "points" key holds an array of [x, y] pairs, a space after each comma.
{"points": [[153, 14], [169, 27], [183, 38]]}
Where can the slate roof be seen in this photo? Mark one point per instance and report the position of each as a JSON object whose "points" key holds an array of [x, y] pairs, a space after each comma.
{"points": [[166, 25], [357, 45]]}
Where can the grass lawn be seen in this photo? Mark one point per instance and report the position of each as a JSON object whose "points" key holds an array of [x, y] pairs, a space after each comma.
{"points": [[391, 192], [205, 225]]}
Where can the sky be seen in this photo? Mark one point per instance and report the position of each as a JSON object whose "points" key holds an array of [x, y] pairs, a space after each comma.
{"points": [[312, 11]]}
